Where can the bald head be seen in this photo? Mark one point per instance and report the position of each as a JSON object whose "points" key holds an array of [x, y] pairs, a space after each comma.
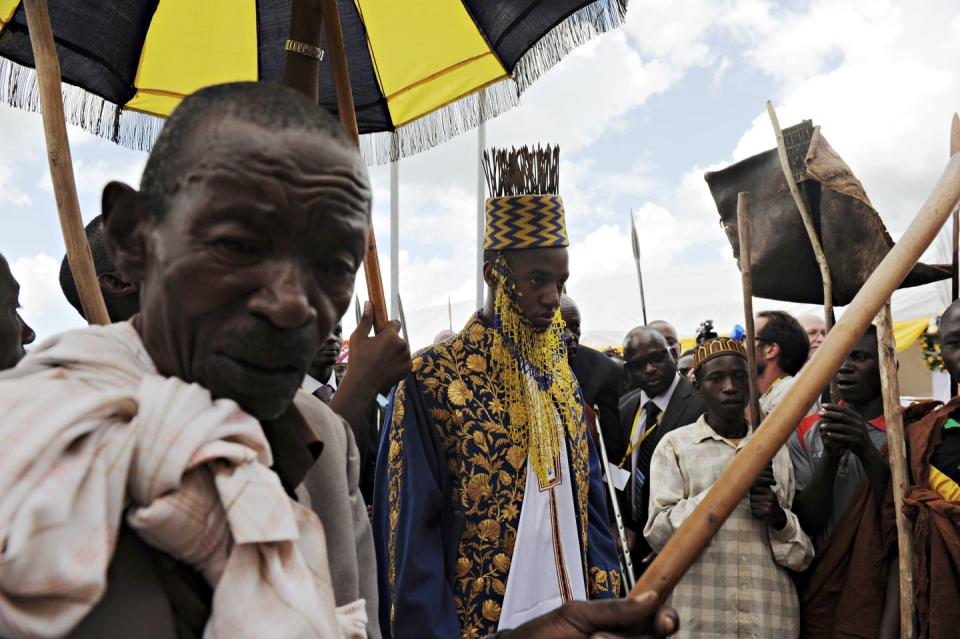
{"points": [[648, 360], [571, 333], [670, 334]]}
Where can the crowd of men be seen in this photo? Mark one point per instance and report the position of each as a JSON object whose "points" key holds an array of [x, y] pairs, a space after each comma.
{"points": [[214, 463]]}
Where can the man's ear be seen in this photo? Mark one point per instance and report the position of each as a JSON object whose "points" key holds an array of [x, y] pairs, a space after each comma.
{"points": [[113, 282], [125, 218], [488, 275], [772, 351]]}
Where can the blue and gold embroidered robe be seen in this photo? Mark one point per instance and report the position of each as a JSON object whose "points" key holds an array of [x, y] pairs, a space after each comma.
{"points": [[449, 489]]}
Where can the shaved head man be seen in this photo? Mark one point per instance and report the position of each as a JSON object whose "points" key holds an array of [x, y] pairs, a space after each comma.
{"points": [[670, 334]]}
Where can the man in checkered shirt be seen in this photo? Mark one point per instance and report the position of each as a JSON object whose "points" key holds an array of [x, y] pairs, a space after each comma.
{"points": [[739, 586]]}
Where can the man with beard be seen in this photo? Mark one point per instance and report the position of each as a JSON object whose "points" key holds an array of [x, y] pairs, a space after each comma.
{"points": [[14, 332], [151, 464], [662, 402], [489, 507], [599, 376], [782, 348], [739, 586]]}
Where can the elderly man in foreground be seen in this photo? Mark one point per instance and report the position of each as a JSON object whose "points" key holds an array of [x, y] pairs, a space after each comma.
{"points": [[159, 494]]}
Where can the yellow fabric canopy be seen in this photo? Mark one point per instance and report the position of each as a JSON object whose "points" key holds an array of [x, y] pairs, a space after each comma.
{"points": [[905, 332]]}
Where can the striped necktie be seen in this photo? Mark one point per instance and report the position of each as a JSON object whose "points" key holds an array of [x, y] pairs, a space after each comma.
{"points": [[642, 468]]}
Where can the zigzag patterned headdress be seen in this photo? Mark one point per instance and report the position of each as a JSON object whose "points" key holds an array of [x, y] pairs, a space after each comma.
{"points": [[524, 210]]}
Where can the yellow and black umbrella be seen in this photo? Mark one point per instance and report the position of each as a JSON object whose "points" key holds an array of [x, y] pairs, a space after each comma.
{"points": [[425, 69]]}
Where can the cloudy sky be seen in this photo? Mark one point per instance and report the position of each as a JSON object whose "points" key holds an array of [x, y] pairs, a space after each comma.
{"points": [[639, 114]]}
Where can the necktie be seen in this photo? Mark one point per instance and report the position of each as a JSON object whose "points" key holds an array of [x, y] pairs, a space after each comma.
{"points": [[642, 467], [324, 393]]}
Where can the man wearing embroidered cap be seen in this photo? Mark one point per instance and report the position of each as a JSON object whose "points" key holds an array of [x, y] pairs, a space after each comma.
{"points": [[739, 586], [489, 508]]}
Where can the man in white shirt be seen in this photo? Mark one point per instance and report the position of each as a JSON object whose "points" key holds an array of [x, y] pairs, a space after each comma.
{"points": [[321, 380], [782, 348]]}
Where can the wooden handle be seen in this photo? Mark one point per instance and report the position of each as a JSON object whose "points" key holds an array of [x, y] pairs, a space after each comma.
{"points": [[348, 117], [61, 164], [897, 454], [746, 280], [685, 546]]}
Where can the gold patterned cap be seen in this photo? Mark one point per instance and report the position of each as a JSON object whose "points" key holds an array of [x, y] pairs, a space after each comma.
{"points": [[715, 348]]}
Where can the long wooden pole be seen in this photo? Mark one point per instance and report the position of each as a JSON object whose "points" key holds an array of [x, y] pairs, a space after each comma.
{"points": [[348, 117], [828, 317], [746, 279], [61, 164], [897, 454], [955, 279], [685, 546]]}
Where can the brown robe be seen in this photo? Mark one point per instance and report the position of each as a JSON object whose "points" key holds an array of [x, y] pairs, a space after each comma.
{"points": [[845, 588]]}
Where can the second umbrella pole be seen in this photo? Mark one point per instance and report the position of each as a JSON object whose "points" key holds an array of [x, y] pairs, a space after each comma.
{"points": [[348, 117]]}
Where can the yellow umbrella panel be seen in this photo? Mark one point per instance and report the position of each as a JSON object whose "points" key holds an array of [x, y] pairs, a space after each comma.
{"points": [[423, 69]]}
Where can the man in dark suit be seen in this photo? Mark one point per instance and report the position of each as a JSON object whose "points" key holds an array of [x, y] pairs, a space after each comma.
{"points": [[599, 376], [662, 402]]}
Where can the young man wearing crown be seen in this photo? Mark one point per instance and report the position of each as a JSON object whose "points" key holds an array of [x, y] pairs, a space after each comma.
{"points": [[489, 509]]}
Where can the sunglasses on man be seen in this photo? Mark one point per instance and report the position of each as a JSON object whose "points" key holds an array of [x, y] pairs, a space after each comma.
{"points": [[638, 364]]}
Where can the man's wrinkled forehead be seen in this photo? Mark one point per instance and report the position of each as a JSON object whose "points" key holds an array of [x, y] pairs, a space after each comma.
{"points": [[239, 158]]}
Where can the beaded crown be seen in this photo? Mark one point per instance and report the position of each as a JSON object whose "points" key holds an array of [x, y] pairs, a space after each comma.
{"points": [[524, 210]]}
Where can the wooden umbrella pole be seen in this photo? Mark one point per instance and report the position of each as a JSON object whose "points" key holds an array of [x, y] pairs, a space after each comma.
{"points": [[61, 164], [746, 279], [828, 317], [897, 454], [729, 489], [348, 117]]}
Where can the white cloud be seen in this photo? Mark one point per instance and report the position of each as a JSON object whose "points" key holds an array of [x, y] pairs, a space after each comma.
{"points": [[43, 306]]}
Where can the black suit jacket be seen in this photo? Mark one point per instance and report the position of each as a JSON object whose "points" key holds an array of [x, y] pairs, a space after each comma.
{"points": [[600, 378], [685, 407]]}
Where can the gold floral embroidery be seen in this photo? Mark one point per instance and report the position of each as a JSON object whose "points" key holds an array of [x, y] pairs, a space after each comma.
{"points": [[395, 479], [487, 471], [602, 582]]}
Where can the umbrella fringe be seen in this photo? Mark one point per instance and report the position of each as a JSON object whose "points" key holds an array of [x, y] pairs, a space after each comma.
{"points": [[139, 131], [90, 112], [577, 29], [441, 125], [436, 128]]}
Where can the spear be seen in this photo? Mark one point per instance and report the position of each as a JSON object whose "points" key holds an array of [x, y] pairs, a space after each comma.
{"points": [[636, 259], [403, 319], [356, 309], [450, 312]]}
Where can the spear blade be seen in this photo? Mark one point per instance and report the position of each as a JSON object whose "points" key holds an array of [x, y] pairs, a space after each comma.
{"points": [[636, 258], [403, 319]]}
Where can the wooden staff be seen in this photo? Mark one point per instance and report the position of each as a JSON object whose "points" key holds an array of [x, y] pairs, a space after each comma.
{"points": [[828, 317], [955, 278], [61, 164], [348, 117], [729, 489], [897, 454], [746, 279]]}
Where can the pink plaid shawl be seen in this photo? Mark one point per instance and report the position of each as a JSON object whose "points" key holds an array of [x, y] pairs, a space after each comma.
{"points": [[91, 433]]}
